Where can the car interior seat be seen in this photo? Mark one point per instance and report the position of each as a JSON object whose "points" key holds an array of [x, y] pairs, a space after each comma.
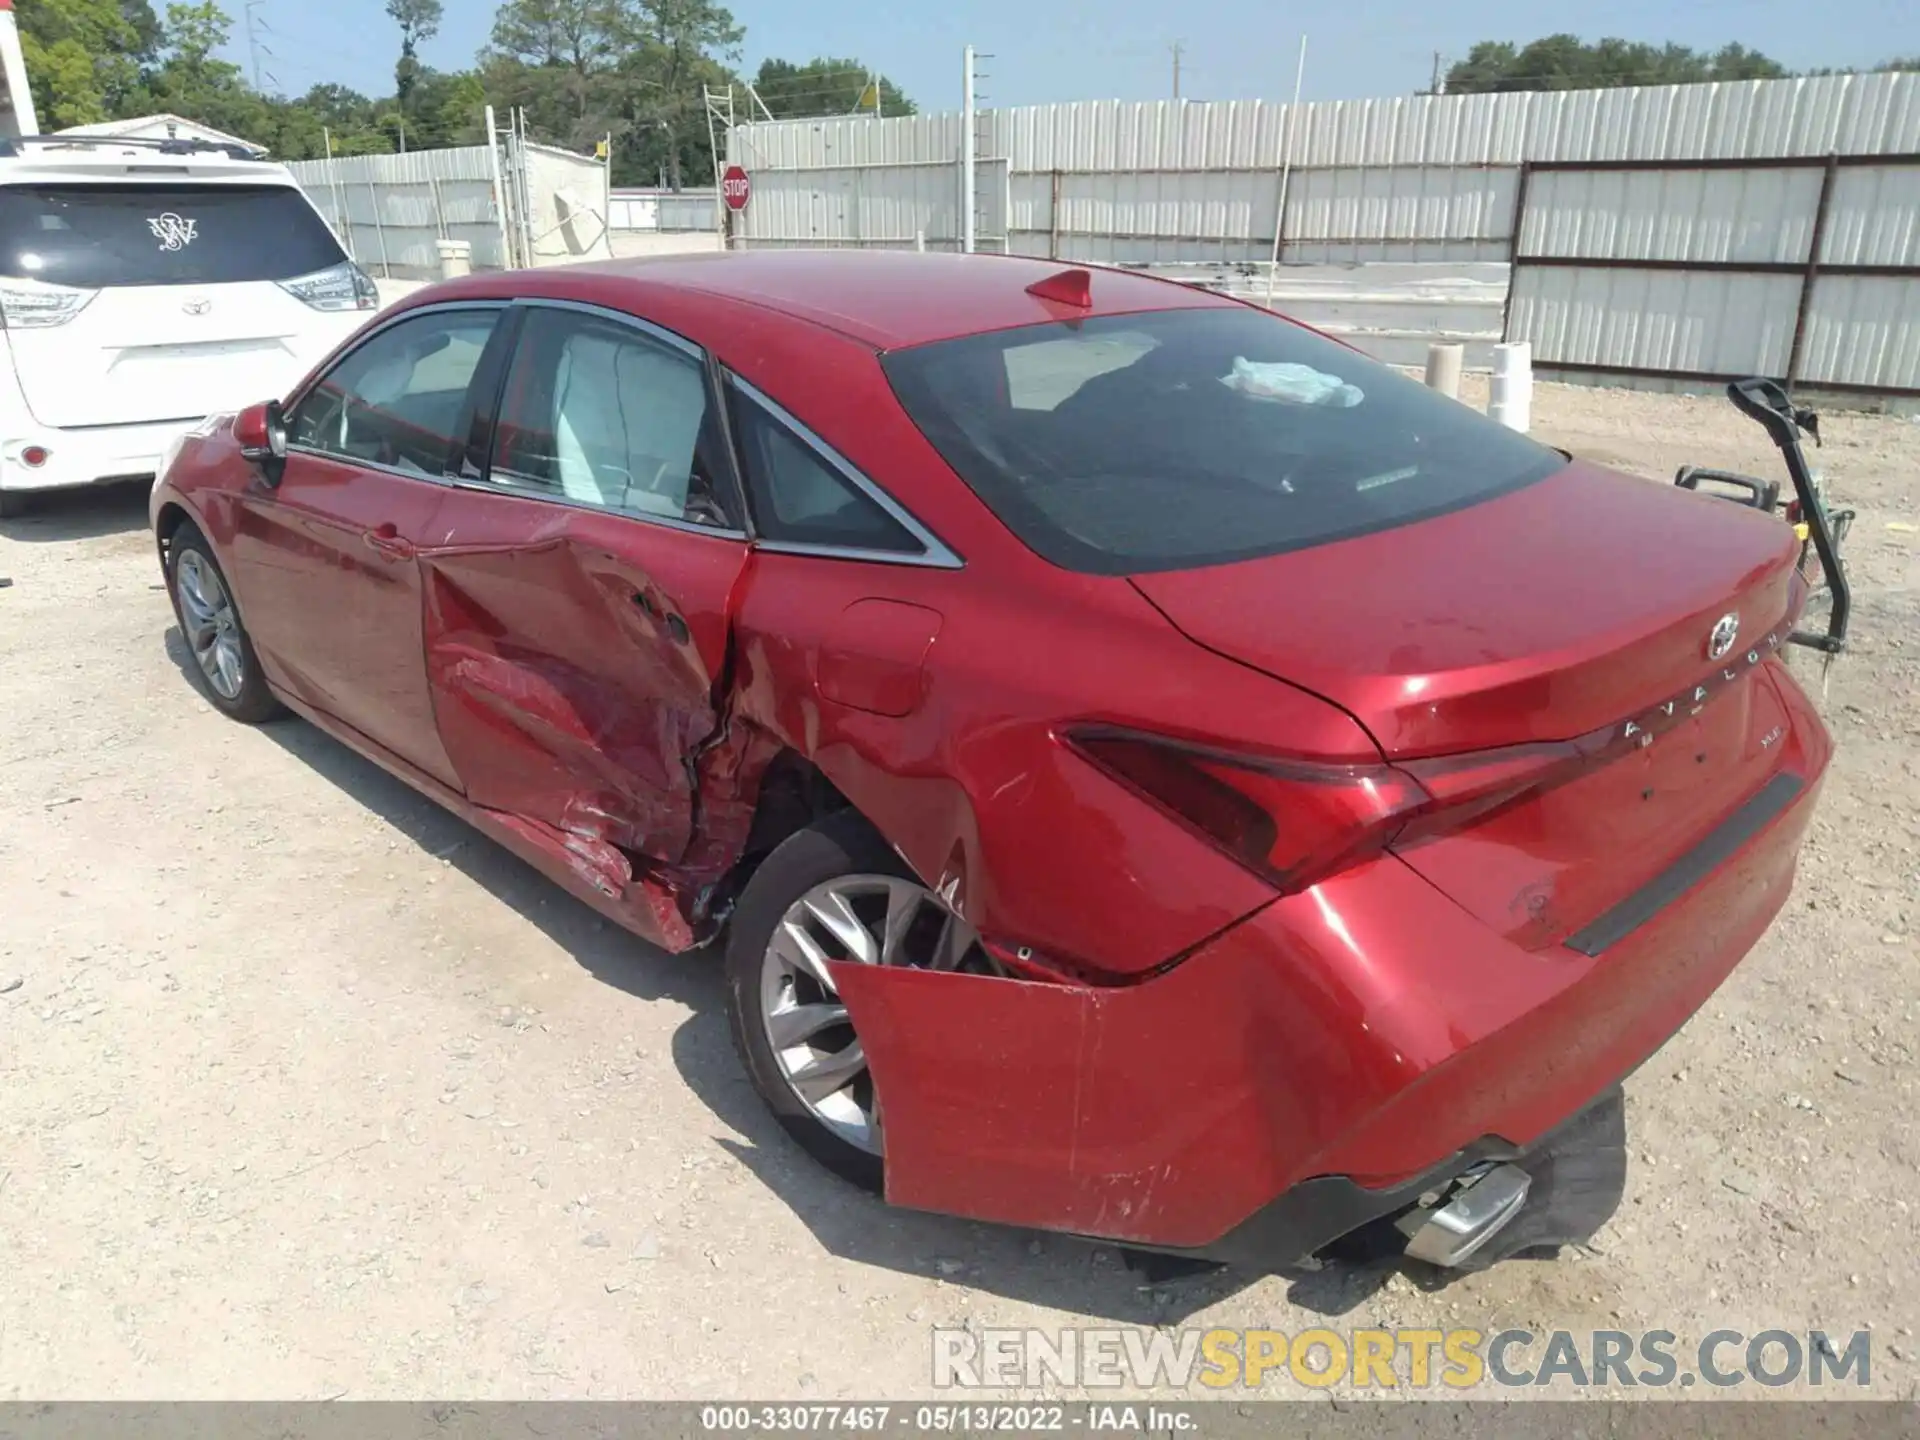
{"points": [[626, 421]]}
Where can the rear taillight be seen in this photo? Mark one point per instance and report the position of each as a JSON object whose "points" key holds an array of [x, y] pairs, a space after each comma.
{"points": [[31, 305], [1295, 822], [1463, 788], [342, 287], [1291, 822]]}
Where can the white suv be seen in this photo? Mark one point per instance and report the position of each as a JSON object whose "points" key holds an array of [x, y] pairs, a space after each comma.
{"points": [[145, 285]]}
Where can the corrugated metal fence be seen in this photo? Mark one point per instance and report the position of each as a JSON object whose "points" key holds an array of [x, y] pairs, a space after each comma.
{"points": [[665, 211], [390, 210], [1440, 189], [1803, 268]]}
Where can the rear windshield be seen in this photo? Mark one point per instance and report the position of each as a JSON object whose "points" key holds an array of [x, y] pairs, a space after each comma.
{"points": [[93, 236], [1182, 438]]}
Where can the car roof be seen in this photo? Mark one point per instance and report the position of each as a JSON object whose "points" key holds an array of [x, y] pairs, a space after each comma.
{"points": [[83, 160], [891, 299]]}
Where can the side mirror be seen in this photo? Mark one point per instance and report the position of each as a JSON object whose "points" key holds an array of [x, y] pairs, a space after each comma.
{"points": [[262, 433]]}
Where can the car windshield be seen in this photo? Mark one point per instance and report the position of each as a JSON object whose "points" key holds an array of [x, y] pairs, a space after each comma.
{"points": [[1181, 438], [94, 236]]}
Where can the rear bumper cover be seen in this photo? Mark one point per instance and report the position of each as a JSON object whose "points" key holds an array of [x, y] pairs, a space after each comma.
{"points": [[1321, 1062], [88, 456], [1315, 1213]]}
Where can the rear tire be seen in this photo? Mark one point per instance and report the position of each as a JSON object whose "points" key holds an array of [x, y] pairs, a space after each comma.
{"points": [[841, 845], [224, 666], [833, 892]]}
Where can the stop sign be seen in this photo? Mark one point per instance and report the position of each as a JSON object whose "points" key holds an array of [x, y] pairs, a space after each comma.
{"points": [[735, 188]]}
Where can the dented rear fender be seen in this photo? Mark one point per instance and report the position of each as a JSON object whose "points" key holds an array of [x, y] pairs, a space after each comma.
{"points": [[934, 701]]}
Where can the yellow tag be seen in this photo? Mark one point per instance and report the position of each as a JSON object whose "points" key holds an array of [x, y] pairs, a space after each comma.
{"points": [[1801, 530]]}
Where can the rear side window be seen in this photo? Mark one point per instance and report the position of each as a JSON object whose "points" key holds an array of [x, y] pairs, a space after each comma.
{"points": [[800, 498], [95, 236], [1182, 438]]}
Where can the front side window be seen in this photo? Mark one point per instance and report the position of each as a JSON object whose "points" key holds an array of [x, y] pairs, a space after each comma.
{"points": [[95, 236], [603, 414], [1182, 438], [397, 400]]}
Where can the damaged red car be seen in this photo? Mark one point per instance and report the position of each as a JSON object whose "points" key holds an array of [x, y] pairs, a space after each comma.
{"points": [[1153, 772]]}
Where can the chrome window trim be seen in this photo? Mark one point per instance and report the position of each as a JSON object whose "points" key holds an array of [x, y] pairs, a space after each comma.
{"points": [[865, 557], [373, 466], [934, 553], [619, 317], [482, 487]]}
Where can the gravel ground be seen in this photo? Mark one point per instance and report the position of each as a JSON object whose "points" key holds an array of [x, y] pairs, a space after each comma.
{"points": [[308, 1091]]}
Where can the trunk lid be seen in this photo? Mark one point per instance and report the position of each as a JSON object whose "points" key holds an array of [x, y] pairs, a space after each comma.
{"points": [[1583, 607], [1544, 614]]}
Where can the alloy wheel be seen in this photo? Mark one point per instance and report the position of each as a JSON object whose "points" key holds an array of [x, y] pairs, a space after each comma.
{"points": [[869, 920], [212, 627]]}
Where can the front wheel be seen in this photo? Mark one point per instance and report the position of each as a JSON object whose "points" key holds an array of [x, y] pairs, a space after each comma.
{"points": [[224, 665], [834, 892]]}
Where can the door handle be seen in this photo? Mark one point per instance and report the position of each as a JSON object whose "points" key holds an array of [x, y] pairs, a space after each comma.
{"points": [[388, 541]]}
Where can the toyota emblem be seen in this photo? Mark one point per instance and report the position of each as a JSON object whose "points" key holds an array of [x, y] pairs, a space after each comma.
{"points": [[1720, 639], [197, 307]]}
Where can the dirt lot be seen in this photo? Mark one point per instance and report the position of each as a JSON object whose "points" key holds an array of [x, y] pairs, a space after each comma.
{"points": [[305, 1090]]}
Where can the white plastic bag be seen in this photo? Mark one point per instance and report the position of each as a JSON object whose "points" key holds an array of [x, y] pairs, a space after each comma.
{"points": [[1293, 384]]}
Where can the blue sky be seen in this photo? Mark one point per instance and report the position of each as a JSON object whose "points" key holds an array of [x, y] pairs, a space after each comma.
{"points": [[1044, 50]]}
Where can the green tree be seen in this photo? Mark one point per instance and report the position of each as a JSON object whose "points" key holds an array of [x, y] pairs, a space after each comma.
{"points": [[193, 82], [418, 20], [824, 87], [632, 69], [448, 109], [84, 57], [677, 47], [573, 40], [1566, 62], [189, 35]]}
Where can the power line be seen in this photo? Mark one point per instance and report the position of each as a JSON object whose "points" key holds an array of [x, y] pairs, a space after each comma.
{"points": [[253, 37]]}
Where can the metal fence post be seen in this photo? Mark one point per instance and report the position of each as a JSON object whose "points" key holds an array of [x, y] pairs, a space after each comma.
{"points": [[499, 189], [379, 229], [1797, 352], [968, 195], [1513, 246], [1053, 219]]}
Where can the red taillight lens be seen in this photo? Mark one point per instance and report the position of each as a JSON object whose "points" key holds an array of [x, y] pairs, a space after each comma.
{"points": [[1296, 822], [1465, 787], [1293, 822]]}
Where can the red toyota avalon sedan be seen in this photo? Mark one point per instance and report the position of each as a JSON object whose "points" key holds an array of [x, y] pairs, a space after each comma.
{"points": [[1155, 773]]}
